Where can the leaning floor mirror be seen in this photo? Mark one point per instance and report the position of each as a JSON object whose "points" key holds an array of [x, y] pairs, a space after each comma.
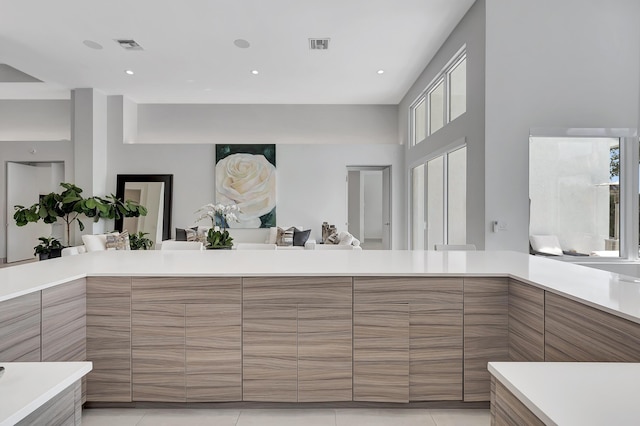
{"points": [[154, 192]]}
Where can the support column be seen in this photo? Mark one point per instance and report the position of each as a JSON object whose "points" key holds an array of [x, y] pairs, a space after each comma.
{"points": [[89, 136]]}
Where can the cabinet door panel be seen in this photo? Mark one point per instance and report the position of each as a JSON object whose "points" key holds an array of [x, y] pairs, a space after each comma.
{"points": [[419, 291], [381, 353], [576, 332], [109, 339], [214, 353], [435, 329], [20, 329], [436, 351], [297, 290], [270, 353], [486, 332], [196, 290], [526, 322], [64, 323], [325, 353], [158, 352]]}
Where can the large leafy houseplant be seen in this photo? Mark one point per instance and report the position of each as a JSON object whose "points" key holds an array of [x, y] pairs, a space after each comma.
{"points": [[69, 205]]}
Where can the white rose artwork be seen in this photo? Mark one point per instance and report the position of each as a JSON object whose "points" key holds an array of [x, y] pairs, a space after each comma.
{"points": [[249, 181]]}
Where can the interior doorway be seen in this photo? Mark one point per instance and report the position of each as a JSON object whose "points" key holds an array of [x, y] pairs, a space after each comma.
{"points": [[26, 182], [369, 206]]}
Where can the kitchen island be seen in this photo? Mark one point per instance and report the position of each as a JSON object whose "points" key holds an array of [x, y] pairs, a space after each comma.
{"points": [[310, 326]]}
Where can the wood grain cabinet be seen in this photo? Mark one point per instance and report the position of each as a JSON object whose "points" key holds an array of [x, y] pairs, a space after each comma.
{"points": [[381, 352], [526, 322], [407, 339], [297, 344], [179, 328], [213, 351], [486, 333], [20, 329], [64, 322], [109, 339], [576, 332]]}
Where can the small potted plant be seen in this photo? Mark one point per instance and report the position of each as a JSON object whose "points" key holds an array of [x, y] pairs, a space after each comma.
{"points": [[139, 241], [48, 248], [220, 215]]}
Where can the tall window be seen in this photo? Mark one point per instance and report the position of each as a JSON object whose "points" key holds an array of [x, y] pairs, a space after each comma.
{"points": [[444, 100], [439, 201]]}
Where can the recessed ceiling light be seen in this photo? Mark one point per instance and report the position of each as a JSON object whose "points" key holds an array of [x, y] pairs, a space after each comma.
{"points": [[128, 72], [241, 43], [255, 72], [92, 44], [380, 71]]}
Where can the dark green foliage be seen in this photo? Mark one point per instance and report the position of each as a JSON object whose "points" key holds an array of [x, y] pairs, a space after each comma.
{"points": [[139, 241], [69, 204], [47, 245], [219, 238]]}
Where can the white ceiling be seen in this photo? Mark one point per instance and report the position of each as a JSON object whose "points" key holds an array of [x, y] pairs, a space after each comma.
{"points": [[189, 55]]}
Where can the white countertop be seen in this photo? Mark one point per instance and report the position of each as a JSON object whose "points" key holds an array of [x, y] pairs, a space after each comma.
{"points": [[571, 393], [607, 291], [26, 386]]}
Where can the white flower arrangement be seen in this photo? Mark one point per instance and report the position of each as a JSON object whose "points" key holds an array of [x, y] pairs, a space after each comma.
{"points": [[220, 214]]}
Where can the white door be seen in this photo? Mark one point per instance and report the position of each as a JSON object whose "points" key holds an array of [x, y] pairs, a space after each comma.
{"points": [[22, 189], [386, 208]]}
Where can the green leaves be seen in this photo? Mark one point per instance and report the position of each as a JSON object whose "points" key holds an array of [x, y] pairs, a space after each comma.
{"points": [[139, 241], [69, 204], [47, 245], [219, 238]]}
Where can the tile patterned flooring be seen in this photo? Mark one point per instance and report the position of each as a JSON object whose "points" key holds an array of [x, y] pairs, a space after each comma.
{"points": [[284, 417]]}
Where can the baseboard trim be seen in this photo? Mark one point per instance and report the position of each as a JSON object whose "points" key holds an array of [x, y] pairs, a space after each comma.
{"points": [[290, 405]]}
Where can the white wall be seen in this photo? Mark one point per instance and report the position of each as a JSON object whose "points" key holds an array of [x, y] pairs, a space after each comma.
{"points": [[279, 124], [49, 151], [355, 197], [470, 126], [41, 120], [551, 63], [372, 204], [311, 177]]}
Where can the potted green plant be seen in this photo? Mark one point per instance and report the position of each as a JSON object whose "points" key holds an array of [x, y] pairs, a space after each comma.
{"points": [[69, 204], [48, 248], [220, 215], [139, 241]]}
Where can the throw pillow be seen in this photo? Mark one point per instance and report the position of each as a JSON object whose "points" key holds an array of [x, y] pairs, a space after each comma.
{"points": [[191, 235], [300, 237], [285, 236], [332, 239], [181, 234], [118, 241], [95, 242], [345, 238]]}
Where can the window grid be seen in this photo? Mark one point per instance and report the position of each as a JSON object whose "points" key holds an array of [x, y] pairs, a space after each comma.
{"points": [[443, 77], [419, 238]]}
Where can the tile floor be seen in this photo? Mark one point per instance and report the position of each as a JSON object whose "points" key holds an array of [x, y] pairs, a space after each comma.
{"points": [[281, 417]]}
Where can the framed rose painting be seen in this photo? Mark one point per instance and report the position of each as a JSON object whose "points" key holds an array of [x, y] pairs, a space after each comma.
{"points": [[246, 176]]}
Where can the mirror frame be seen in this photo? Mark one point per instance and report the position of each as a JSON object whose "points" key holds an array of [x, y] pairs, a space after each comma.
{"points": [[168, 193]]}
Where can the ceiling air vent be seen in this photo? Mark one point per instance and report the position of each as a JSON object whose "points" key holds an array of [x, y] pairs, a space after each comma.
{"points": [[128, 44], [319, 43]]}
